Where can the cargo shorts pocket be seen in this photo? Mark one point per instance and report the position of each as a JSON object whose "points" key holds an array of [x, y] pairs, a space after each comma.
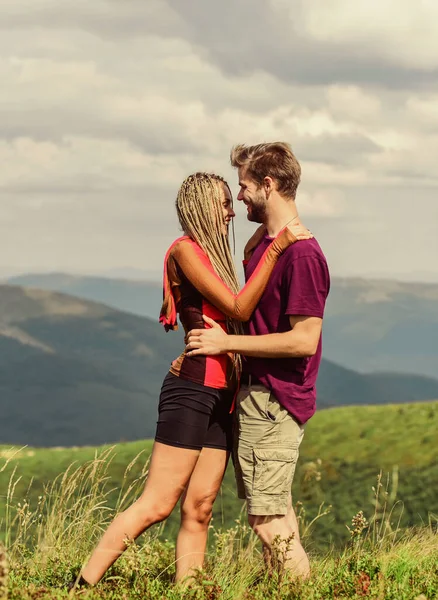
{"points": [[274, 470]]}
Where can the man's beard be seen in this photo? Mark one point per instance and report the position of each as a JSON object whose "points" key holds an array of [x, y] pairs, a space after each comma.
{"points": [[257, 212]]}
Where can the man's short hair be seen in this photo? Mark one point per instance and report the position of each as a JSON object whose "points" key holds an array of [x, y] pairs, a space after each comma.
{"points": [[274, 159]]}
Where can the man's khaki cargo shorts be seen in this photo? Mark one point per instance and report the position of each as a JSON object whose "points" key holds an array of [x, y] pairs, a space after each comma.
{"points": [[266, 447]]}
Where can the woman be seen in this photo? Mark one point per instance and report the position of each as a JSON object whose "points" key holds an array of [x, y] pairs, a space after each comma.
{"points": [[193, 436]]}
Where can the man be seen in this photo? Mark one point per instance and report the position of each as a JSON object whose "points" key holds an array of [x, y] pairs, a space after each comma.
{"points": [[282, 351]]}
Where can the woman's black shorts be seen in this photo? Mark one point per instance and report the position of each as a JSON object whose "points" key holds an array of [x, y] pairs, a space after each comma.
{"points": [[194, 416]]}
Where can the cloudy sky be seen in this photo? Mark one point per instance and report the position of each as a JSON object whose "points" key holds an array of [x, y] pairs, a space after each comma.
{"points": [[106, 105]]}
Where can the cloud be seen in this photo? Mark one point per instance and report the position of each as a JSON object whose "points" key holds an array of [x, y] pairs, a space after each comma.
{"points": [[110, 19], [402, 34], [321, 203], [106, 107], [309, 42], [316, 42]]}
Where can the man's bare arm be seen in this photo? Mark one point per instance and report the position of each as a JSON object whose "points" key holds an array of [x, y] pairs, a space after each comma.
{"points": [[301, 341]]}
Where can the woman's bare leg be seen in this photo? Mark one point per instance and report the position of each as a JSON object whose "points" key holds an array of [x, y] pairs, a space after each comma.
{"points": [[169, 472], [196, 510]]}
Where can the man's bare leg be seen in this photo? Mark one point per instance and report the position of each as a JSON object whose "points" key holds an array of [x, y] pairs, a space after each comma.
{"points": [[292, 519], [289, 549]]}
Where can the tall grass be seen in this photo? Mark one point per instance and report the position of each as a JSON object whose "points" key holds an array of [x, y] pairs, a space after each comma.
{"points": [[47, 544]]}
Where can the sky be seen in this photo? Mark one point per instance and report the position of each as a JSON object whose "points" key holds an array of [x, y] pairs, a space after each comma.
{"points": [[106, 106]]}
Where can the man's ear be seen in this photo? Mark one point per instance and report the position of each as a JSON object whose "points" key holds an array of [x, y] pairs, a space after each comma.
{"points": [[268, 185]]}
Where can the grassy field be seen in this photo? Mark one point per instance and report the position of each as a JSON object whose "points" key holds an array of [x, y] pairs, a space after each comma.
{"points": [[393, 570], [50, 542], [343, 453], [379, 460]]}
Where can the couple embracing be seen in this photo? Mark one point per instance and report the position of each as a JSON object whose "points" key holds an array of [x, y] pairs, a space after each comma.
{"points": [[245, 382]]}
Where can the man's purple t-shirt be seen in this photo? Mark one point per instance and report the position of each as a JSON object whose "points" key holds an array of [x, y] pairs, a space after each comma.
{"points": [[299, 285]]}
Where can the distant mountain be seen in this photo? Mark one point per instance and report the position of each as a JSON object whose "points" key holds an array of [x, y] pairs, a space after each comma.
{"points": [[380, 325], [370, 325], [339, 386], [74, 372], [142, 298]]}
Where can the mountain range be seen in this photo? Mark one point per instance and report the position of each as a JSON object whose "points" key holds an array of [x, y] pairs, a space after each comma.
{"points": [[77, 372], [369, 325]]}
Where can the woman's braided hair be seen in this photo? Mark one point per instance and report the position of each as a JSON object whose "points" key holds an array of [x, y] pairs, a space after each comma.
{"points": [[199, 209]]}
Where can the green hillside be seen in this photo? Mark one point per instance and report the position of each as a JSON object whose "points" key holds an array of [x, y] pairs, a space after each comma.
{"points": [[77, 372], [343, 452], [74, 372], [370, 325]]}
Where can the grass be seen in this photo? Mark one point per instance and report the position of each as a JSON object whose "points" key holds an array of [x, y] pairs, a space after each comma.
{"points": [[393, 434], [342, 452], [47, 544], [55, 503], [406, 570]]}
